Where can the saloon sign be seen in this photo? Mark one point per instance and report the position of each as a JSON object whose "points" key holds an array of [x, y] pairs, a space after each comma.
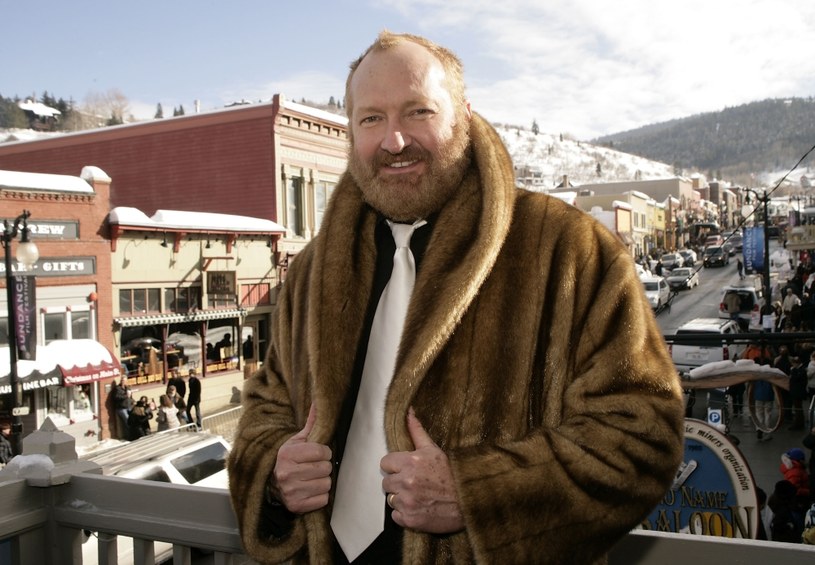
{"points": [[713, 493]]}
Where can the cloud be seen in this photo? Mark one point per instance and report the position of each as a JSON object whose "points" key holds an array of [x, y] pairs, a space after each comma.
{"points": [[589, 67]]}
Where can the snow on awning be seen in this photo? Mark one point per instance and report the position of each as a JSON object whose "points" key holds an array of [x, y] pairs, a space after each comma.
{"points": [[61, 363], [720, 374], [197, 316]]}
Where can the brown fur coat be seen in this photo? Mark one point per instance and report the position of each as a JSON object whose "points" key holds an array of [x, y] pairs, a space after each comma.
{"points": [[531, 357]]}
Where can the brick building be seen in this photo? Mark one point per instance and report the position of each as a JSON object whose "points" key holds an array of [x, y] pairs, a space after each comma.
{"points": [[68, 223], [278, 160]]}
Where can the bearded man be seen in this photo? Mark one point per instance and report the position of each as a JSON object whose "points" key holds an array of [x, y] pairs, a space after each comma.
{"points": [[530, 414]]}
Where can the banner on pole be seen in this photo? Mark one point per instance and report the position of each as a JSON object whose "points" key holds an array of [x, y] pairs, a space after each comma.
{"points": [[23, 291]]}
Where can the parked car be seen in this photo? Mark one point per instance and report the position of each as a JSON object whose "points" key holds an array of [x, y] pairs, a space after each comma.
{"points": [[683, 277], [687, 356], [657, 291], [716, 255], [672, 261], [751, 301], [177, 457], [689, 255]]}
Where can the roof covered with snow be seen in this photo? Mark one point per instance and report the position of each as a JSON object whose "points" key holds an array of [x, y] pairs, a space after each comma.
{"points": [[11, 180], [179, 220], [39, 108]]}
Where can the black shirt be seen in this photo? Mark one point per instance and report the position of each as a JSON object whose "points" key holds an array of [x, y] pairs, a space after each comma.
{"points": [[387, 548], [276, 521]]}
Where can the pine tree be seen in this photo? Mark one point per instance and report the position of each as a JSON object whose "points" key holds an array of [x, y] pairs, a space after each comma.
{"points": [[332, 102], [159, 111], [535, 128]]}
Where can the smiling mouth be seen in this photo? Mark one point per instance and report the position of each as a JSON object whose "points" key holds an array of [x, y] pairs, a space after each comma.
{"points": [[401, 164]]}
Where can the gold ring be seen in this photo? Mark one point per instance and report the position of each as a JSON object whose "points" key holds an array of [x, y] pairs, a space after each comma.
{"points": [[390, 498]]}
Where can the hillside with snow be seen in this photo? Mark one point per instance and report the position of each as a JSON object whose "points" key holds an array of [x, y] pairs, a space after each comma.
{"points": [[544, 159]]}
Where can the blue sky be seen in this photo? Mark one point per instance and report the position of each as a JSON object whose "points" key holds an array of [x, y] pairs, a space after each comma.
{"points": [[581, 67]]}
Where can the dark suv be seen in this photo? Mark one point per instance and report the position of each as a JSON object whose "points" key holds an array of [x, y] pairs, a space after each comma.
{"points": [[716, 256]]}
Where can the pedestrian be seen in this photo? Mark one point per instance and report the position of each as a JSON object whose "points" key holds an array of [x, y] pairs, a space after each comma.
{"points": [[122, 404], [809, 443], [194, 399], [167, 414], [487, 412], [764, 397], [6, 449], [179, 403], [138, 423], [740, 267], [793, 468], [149, 411], [788, 515], [178, 382]]}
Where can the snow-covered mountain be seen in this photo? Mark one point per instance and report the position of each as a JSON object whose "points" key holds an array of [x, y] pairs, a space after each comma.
{"points": [[544, 159]]}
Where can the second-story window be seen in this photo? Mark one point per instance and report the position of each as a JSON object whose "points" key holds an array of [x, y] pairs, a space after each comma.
{"points": [[139, 300], [182, 299], [322, 193], [294, 205]]}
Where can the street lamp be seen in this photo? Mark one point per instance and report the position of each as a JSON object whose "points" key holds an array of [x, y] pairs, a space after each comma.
{"points": [[27, 255], [746, 211]]}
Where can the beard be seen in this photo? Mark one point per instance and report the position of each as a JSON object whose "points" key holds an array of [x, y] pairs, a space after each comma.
{"points": [[417, 196]]}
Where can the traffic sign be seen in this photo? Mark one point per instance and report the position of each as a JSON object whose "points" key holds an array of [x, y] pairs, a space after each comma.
{"points": [[20, 411]]}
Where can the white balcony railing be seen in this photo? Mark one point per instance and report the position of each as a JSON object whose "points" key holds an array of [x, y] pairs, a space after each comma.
{"points": [[44, 513]]}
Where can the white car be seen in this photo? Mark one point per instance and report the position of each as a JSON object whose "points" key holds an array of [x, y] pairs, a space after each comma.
{"points": [[688, 356], [177, 457], [683, 277], [657, 291]]}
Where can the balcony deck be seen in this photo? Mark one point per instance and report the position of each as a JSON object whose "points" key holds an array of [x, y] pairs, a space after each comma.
{"points": [[45, 511]]}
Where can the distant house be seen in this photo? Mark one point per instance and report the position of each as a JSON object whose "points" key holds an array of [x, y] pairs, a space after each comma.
{"points": [[40, 117]]}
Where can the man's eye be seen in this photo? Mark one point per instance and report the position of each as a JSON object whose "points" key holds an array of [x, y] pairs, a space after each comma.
{"points": [[369, 119]]}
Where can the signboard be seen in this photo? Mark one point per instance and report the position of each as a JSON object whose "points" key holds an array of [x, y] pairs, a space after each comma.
{"points": [[713, 494], [753, 249], [221, 282], [57, 267], [54, 229], [23, 296]]}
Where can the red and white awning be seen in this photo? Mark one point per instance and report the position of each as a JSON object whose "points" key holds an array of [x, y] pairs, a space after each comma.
{"points": [[61, 363]]}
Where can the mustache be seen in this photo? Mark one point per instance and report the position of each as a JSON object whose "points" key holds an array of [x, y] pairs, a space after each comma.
{"points": [[409, 153]]}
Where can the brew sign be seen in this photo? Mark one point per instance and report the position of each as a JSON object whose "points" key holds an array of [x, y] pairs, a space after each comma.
{"points": [[221, 282]]}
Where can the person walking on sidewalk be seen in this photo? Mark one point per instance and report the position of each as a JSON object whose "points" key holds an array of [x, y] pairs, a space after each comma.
{"points": [[740, 267], [194, 398]]}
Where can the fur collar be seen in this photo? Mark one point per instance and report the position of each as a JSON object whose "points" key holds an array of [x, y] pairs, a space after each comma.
{"points": [[466, 240]]}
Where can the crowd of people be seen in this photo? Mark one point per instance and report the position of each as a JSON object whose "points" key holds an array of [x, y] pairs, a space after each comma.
{"points": [[173, 410], [789, 514]]}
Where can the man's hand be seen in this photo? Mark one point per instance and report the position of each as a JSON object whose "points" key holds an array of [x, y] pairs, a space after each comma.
{"points": [[302, 475], [423, 495]]}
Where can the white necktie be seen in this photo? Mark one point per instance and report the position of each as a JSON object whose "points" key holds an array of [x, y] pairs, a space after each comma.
{"points": [[359, 504]]}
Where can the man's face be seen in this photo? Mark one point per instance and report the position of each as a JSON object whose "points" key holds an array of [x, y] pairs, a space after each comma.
{"points": [[410, 144]]}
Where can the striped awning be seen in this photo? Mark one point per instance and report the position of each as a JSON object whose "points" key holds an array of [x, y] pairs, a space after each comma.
{"points": [[178, 318]]}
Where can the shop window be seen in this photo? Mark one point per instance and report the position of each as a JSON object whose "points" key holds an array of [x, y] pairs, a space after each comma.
{"points": [[322, 193], [69, 404], [69, 322], [254, 294], [139, 300]]}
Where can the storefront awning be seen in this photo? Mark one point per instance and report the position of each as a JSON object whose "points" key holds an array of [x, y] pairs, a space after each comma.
{"points": [[61, 363], [176, 318]]}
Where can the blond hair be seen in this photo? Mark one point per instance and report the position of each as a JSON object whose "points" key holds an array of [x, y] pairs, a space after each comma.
{"points": [[453, 69]]}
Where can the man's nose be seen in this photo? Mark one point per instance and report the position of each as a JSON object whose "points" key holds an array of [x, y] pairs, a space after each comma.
{"points": [[395, 140]]}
